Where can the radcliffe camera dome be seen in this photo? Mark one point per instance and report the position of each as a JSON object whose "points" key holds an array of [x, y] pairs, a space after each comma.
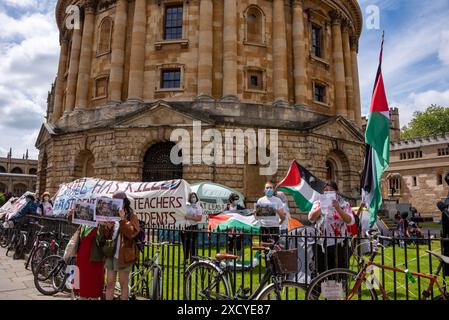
{"points": [[131, 72]]}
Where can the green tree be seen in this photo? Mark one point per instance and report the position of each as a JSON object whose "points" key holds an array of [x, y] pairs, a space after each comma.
{"points": [[424, 123]]}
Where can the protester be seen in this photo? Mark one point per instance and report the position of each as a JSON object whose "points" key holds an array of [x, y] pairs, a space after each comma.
{"points": [[125, 253], [443, 206], [234, 240], [270, 224], [45, 208], [188, 235], [30, 208], [90, 261], [332, 222]]}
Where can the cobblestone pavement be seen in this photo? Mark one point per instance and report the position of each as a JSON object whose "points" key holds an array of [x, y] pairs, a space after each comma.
{"points": [[16, 283]]}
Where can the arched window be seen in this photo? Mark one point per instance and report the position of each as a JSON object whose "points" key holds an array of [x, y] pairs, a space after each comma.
{"points": [[331, 171], [254, 25], [2, 169], [19, 189], [17, 170], [157, 164], [104, 36], [84, 165], [2, 188], [32, 171], [394, 184]]}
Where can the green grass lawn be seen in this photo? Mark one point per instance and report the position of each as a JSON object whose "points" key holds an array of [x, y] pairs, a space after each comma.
{"points": [[417, 261]]}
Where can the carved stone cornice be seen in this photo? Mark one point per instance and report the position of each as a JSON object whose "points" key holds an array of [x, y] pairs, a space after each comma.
{"points": [[346, 25], [354, 42], [89, 6], [336, 16], [296, 3]]}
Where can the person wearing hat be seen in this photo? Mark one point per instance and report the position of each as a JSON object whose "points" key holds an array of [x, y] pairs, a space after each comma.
{"points": [[46, 206], [126, 252]]}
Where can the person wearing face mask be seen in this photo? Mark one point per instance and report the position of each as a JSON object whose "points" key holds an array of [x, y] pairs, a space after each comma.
{"points": [[233, 240], [188, 235], [46, 206], [271, 224], [332, 222]]}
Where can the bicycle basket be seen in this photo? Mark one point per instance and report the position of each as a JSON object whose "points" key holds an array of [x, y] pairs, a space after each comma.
{"points": [[285, 261]]}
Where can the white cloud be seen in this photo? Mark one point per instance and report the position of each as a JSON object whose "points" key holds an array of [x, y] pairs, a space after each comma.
{"points": [[443, 53], [419, 102], [29, 52]]}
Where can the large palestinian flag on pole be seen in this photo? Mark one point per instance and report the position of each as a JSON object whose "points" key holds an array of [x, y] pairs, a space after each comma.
{"points": [[377, 139], [303, 186]]}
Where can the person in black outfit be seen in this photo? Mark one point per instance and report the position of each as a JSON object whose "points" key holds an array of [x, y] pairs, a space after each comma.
{"points": [[444, 208], [233, 240]]}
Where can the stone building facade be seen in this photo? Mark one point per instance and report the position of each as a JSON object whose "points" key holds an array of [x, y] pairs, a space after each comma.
{"points": [[17, 175], [416, 173], [137, 70]]}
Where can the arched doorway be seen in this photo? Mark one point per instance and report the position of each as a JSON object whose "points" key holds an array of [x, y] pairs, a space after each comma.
{"points": [[43, 175], [157, 165], [84, 165], [2, 169], [338, 170]]}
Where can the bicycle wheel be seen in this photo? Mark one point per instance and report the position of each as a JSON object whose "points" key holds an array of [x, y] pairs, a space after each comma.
{"points": [[205, 281], [38, 255], [47, 273], [20, 247], [338, 284], [12, 243], [156, 285], [288, 290], [6, 239]]}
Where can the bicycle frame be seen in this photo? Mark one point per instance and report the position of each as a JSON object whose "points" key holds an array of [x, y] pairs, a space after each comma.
{"points": [[362, 277]]}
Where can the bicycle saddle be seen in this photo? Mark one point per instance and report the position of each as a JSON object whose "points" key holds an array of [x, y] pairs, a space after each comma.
{"points": [[225, 256], [439, 256]]}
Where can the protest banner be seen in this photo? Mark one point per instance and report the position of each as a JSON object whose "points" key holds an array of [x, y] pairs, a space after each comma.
{"points": [[157, 203], [8, 210]]}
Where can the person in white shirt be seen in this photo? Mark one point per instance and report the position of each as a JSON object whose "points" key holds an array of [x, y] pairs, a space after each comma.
{"points": [[45, 208], [271, 224], [188, 235]]}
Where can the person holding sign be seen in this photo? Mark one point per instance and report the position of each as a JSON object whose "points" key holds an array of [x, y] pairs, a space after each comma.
{"points": [[89, 259], [269, 203], [331, 215], [124, 251], [193, 217]]}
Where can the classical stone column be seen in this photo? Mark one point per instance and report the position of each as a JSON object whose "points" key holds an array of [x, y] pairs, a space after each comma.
{"points": [[355, 78], [72, 76], [230, 48], [59, 90], [137, 59], [348, 71], [339, 66], [280, 82], [299, 53], [205, 47], [85, 56], [118, 51]]}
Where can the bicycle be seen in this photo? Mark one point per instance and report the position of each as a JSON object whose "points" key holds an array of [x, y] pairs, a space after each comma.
{"points": [[45, 244], [150, 272], [346, 284], [19, 240], [210, 279], [54, 275]]}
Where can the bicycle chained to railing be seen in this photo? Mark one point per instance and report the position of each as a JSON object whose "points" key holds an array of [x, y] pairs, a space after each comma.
{"points": [[347, 284], [211, 279], [146, 277]]}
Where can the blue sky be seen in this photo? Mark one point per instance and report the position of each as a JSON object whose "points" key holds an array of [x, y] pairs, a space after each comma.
{"points": [[416, 61]]}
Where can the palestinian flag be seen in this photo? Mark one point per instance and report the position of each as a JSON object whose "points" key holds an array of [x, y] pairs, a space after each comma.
{"points": [[302, 185], [225, 221], [377, 139]]}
